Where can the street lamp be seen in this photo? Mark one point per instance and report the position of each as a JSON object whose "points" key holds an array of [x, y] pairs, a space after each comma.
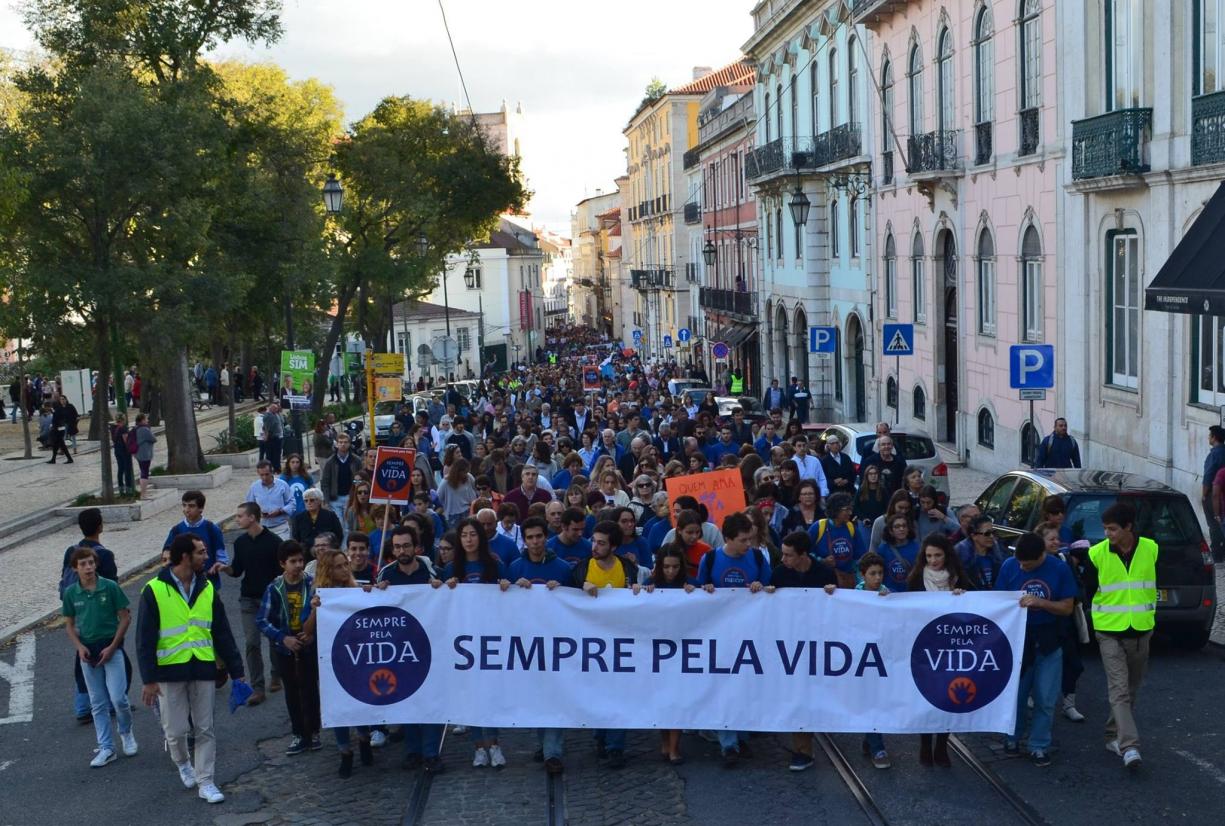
{"points": [[423, 245], [333, 195], [799, 207], [709, 253], [470, 278]]}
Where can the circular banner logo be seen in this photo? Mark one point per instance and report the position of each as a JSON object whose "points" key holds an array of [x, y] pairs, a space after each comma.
{"points": [[394, 474], [961, 662], [381, 655]]}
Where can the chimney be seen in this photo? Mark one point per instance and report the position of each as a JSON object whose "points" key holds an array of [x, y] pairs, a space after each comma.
{"points": [[700, 72]]}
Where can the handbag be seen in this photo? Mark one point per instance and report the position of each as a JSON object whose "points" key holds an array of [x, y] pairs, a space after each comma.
{"points": [[1082, 624]]}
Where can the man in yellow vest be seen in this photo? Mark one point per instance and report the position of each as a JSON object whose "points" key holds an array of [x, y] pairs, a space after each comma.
{"points": [[1122, 576], [181, 620]]}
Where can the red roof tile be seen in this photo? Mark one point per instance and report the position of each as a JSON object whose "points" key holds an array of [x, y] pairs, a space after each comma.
{"points": [[730, 75]]}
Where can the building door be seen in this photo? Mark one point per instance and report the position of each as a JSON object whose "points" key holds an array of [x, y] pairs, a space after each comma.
{"points": [[949, 364], [859, 393]]}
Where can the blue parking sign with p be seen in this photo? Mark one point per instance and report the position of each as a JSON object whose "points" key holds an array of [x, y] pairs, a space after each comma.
{"points": [[638, 338], [1031, 366], [821, 339]]}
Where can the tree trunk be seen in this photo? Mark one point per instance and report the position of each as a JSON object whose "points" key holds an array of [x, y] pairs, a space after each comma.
{"points": [[102, 407], [25, 401], [229, 393], [182, 437], [329, 346]]}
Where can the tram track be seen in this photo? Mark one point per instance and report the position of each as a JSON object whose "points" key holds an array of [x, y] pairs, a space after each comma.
{"points": [[555, 785], [414, 811]]}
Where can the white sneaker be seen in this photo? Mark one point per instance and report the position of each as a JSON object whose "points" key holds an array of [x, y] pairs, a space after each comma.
{"points": [[459, 729], [1131, 758], [103, 757], [1070, 711], [210, 793], [188, 775], [481, 759], [129, 743], [1113, 748], [378, 739], [496, 758]]}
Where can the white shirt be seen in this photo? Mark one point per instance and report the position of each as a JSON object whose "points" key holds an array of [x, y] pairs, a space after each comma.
{"points": [[810, 468], [259, 428]]}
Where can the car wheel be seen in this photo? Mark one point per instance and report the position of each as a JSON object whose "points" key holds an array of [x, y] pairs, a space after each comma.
{"points": [[1192, 639]]}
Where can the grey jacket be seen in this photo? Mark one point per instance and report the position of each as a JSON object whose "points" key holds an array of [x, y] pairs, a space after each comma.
{"points": [[145, 439]]}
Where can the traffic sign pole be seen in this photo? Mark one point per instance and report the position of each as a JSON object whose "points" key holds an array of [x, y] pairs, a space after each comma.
{"points": [[897, 382]]}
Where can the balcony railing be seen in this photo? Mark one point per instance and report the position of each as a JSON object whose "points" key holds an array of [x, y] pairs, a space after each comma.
{"points": [[982, 143], [1208, 128], [886, 167], [657, 279], [862, 8], [1031, 134], [644, 209], [837, 144], [693, 213], [765, 160], [1112, 144], [691, 158], [691, 273], [933, 152], [728, 301]]}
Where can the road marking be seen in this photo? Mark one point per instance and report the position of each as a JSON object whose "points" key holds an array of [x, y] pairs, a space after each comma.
{"points": [[20, 677], [1209, 769], [6, 764]]}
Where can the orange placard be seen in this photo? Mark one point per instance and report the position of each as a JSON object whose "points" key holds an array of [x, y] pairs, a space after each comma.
{"points": [[721, 491], [393, 476]]}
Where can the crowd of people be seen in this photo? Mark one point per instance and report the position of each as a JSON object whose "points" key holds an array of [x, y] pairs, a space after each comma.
{"points": [[534, 481]]}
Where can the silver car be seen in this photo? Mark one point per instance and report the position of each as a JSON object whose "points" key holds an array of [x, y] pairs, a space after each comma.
{"points": [[915, 446]]}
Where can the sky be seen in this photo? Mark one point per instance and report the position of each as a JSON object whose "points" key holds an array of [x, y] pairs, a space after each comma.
{"points": [[579, 68]]}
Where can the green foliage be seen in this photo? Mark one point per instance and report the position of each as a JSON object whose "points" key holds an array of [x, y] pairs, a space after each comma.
{"points": [[655, 90], [242, 439]]}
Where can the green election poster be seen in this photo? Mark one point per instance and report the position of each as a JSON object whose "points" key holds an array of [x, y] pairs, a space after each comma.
{"points": [[297, 372]]}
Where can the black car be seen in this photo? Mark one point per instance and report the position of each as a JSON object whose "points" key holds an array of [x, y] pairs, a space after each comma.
{"points": [[1186, 579]]}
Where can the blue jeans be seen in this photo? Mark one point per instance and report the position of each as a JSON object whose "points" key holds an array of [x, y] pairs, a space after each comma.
{"points": [[612, 738], [108, 685], [480, 735], [1043, 678], [342, 737], [424, 739], [875, 741], [552, 742], [730, 739]]}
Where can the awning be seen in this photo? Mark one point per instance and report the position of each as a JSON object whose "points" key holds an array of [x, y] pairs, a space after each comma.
{"points": [[733, 334], [1193, 278]]}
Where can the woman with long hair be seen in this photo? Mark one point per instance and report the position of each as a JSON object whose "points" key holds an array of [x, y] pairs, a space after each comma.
{"points": [[587, 449], [807, 509], [597, 473], [457, 492], [932, 517], [321, 441], [899, 548], [420, 483], [794, 428], [709, 405], [542, 459], [871, 500], [674, 468], [475, 563], [668, 574], [358, 514], [696, 463], [899, 503], [748, 466], [298, 478], [788, 483]]}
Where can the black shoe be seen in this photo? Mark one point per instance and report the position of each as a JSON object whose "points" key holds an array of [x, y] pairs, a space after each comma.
{"points": [[367, 753], [412, 762], [616, 759], [69, 462], [346, 764], [538, 756], [433, 765], [51, 461], [745, 750], [397, 736], [316, 743], [601, 751], [296, 746], [553, 766], [730, 758], [85, 718]]}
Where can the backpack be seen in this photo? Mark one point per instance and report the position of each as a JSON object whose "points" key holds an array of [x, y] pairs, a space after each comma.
{"points": [[823, 523], [133, 445], [68, 578], [706, 568]]}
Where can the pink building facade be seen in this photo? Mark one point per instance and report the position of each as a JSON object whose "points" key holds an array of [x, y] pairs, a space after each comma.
{"points": [[965, 219]]}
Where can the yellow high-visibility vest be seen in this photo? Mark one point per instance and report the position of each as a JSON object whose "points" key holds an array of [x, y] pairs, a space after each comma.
{"points": [[186, 630], [1126, 596], [737, 386]]}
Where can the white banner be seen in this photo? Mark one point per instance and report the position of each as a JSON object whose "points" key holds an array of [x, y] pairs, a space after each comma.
{"points": [[795, 660]]}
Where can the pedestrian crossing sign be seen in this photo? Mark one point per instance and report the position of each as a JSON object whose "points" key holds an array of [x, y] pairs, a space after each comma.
{"points": [[898, 339]]}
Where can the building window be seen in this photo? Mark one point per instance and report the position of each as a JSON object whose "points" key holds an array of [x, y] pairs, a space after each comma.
{"points": [[833, 228], [886, 107], [778, 231], [1208, 359], [852, 81], [795, 109], [837, 364], [1209, 46], [1031, 54], [890, 277], [919, 403], [944, 77], [986, 429], [778, 107], [1124, 54], [986, 283], [1123, 307], [833, 88], [918, 289], [853, 226], [1031, 286], [984, 68], [798, 240], [463, 339], [767, 117], [476, 277], [914, 82], [1029, 444], [891, 392], [816, 98], [769, 238]]}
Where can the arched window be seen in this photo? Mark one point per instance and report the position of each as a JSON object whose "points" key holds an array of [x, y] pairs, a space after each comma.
{"points": [[1031, 285], [767, 117], [816, 98], [986, 283], [852, 81], [833, 228], [778, 109], [769, 237], [778, 231], [919, 403], [1029, 444], [918, 287], [944, 80], [1031, 54], [795, 108], [852, 225], [890, 277], [891, 392], [886, 107], [833, 88], [914, 82], [986, 429], [984, 68], [837, 364]]}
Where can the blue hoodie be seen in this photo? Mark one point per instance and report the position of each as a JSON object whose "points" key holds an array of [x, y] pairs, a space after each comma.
{"points": [[538, 573]]}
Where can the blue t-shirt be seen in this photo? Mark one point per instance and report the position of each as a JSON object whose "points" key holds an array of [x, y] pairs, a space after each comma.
{"points": [[1051, 580], [504, 548], [896, 570], [724, 571], [642, 554], [214, 540], [844, 544], [987, 568], [571, 553], [299, 485], [654, 535], [472, 571], [552, 568]]}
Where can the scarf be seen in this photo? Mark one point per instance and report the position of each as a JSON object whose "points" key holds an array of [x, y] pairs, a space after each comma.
{"points": [[936, 580]]}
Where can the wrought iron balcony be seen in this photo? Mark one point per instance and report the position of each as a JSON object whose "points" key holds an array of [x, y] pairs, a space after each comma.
{"points": [[728, 301], [693, 213], [837, 144], [982, 143], [1115, 143], [862, 8], [649, 280], [691, 158], [933, 152], [886, 167], [765, 160], [644, 209], [1031, 134], [1208, 128]]}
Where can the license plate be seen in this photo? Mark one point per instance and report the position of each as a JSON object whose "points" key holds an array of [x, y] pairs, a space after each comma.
{"points": [[1163, 596]]}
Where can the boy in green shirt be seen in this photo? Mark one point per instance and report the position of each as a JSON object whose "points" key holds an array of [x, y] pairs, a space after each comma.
{"points": [[96, 610]]}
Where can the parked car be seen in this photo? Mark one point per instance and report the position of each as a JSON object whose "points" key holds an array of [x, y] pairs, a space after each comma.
{"points": [[384, 415], [754, 413], [1186, 577], [678, 386], [915, 446]]}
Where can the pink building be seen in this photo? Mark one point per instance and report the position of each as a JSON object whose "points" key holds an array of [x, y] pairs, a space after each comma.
{"points": [[965, 220]]}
